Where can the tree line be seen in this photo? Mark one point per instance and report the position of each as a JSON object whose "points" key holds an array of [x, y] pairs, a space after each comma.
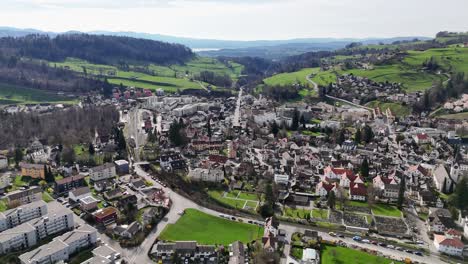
{"points": [[95, 48]]}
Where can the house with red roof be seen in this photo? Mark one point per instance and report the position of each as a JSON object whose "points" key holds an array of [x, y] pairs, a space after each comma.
{"points": [[349, 178], [323, 188], [358, 192], [337, 173], [449, 245], [422, 138]]}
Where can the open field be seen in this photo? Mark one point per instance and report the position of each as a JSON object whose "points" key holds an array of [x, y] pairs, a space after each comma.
{"points": [[333, 255], [235, 199], [397, 109], [324, 78], [12, 94], [411, 80], [457, 116], [296, 213], [386, 210], [207, 229], [291, 78], [453, 59], [200, 64]]}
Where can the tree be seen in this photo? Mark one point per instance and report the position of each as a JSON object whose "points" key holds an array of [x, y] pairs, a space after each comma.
{"points": [[303, 122], [208, 127], [18, 155], [274, 128], [368, 134], [401, 193], [364, 170], [91, 149], [43, 184], [49, 176], [340, 138], [68, 155], [331, 200], [176, 135], [460, 197], [371, 193], [295, 120], [357, 136]]}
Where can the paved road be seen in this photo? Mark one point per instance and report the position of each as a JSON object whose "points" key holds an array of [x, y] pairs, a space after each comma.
{"points": [[308, 78], [236, 121]]}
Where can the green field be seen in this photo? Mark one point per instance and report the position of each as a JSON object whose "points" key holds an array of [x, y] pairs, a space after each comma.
{"points": [[218, 196], [457, 116], [12, 94], [386, 210], [207, 229], [3, 206], [296, 213], [397, 108], [411, 79], [320, 213], [451, 59], [324, 78], [334, 255], [169, 78], [291, 78]]}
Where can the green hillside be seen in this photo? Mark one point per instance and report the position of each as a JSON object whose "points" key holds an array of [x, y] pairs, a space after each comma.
{"points": [[291, 78], [13, 94], [451, 59]]}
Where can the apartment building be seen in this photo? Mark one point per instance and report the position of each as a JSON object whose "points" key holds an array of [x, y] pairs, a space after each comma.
{"points": [[35, 171], [62, 247], [30, 233], [103, 172], [20, 197], [22, 214]]}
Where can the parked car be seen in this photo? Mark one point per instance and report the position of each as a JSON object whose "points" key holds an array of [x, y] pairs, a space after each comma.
{"points": [[365, 241], [418, 253], [341, 235], [374, 242], [399, 248], [332, 234], [391, 246], [409, 251], [357, 238], [382, 244]]}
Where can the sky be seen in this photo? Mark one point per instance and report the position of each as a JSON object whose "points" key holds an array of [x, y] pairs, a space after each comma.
{"points": [[242, 19]]}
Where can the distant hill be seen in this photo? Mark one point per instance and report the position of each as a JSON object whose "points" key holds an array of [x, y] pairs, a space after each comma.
{"points": [[271, 49], [95, 48]]}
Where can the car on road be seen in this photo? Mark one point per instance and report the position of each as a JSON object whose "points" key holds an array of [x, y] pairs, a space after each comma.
{"points": [[250, 222], [333, 234], [399, 248], [357, 238], [391, 246], [382, 244], [420, 242], [373, 242], [181, 213], [340, 235], [365, 241], [409, 251], [233, 218], [418, 253]]}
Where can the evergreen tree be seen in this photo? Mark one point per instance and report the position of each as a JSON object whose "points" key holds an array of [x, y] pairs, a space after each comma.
{"points": [[49, 176], [368, 134], [331, 200], [208, 128], [91, 149], [340, 137], [274, 128], [357, 136], [295, 120], [460, 196], [401, 193], [18, 156], [365, 169], [303, 122], [176, 134], [444, 186]]}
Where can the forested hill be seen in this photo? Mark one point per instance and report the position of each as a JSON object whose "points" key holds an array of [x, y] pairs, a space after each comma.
{"points": [[95, 48]]}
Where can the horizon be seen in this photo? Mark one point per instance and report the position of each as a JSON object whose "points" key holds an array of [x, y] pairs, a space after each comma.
{"points": [[241, 20]]}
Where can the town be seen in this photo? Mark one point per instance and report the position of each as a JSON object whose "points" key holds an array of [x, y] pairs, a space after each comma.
{"points": [[284, 181]]}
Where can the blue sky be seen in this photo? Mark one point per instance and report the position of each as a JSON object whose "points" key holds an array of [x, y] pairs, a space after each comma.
{"points": [[242, 19]]}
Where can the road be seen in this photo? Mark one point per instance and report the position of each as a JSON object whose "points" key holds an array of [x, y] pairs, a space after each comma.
{"points": [[133, 129], [308, 78], [236, 121], [180, 203]]}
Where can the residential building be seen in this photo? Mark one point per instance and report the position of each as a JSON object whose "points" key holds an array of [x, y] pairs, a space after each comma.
{"points": [[22, 214], [323, 188], [3, 162], [35, 171], [19, 237], [358, 192], [122, 167], [62, 247], [209, 175], [106, 215], [449, 245], [69, 183], [185, 249], [442, 179], [20, 197], [281, 179], [88, 203], [104, 255], [5, 181], [310, 256], [237, 253], [105, 171], [79, 193]]}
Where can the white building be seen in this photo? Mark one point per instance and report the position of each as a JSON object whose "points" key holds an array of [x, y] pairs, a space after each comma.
{"points": [[22, 214], [103, 172], [210, 175], [3, 162], [5, 180], [28, 234], [448, 245], [61, 247], [281, 179]]}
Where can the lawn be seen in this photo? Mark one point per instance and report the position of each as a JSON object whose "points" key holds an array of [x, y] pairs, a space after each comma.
{"points": [[248, 196], [333, 255], [455, 59], [291, 78], [357, 204], [396, 108], [411, 79], [3, 206], [207, 229], [13, 94], [324, 78], [386, 210], [320, 213], [457, 116], [46, 197], [218, 196], [296, 213], [167, 84]]}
